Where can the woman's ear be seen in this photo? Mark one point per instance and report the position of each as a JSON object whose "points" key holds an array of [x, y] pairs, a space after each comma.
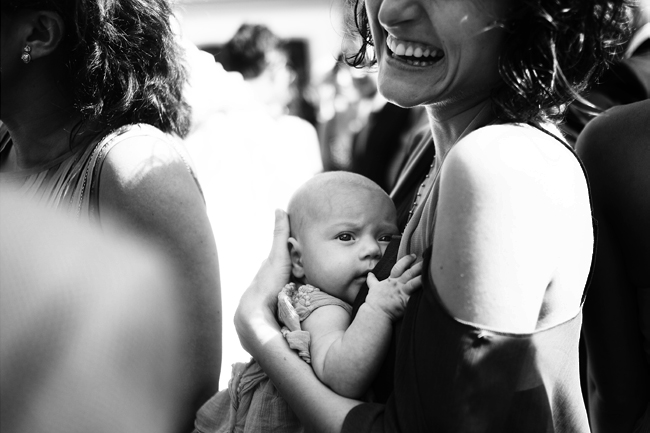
{"points": [[296, 259], [44, 33]]}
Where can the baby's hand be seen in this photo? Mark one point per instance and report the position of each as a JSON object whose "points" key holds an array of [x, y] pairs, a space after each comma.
{"points": [[391, 295]]}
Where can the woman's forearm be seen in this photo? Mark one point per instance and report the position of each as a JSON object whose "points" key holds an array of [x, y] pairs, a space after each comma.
{"points": [[317, 406]]}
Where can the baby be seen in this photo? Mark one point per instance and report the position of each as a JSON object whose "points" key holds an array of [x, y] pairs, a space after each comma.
{"points": [[341, 224]]}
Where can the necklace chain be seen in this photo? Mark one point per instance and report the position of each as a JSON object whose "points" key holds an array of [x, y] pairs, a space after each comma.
{"points": [[422, 189], [428, 178]]}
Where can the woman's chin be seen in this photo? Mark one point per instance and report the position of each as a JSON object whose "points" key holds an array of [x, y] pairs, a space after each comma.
{"points": [[402, 97]]}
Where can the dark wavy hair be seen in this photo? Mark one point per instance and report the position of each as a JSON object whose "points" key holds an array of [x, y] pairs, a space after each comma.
{"points": [[247, 51], [123, 59], [554, 50]]}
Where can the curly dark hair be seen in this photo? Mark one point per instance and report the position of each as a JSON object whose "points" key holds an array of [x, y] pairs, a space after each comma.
{"points": [[123, 59], [247, 51], [554, 50]]}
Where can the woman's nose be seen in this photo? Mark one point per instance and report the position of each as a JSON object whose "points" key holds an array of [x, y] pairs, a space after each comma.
{"points": [[392, 13]]}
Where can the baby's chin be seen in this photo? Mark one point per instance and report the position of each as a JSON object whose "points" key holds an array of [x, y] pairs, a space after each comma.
{"points": [[354, 290]]}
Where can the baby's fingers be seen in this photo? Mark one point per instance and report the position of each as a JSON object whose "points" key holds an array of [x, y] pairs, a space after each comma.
{"points": [[371, 279], [412, 285], [411, 273], [402, 265]]}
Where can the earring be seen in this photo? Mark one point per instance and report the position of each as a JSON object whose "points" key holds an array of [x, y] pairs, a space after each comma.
{"points": [[25, 57]]}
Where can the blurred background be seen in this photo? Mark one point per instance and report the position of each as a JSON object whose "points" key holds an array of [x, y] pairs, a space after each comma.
{"points": [[233, 127], [274, 104], [312, 28]]}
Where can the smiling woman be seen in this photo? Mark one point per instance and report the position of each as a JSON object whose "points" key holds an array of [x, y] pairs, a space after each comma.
{"points": [[457, 36], [540, 39], [500, 219]]}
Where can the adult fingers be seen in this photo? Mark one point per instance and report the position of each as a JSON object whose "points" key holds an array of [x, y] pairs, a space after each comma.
{"points": [[275, 271]]}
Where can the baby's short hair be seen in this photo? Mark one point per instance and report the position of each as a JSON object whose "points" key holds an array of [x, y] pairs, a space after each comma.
{"points": [[307, 199]]}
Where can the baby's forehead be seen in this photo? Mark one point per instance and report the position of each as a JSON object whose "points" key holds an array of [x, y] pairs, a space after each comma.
{"points": [[333, 195], [334, 198], [351, 210]]}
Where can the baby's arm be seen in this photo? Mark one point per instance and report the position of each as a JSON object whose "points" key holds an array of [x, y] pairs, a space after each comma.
{"points": [[347, 356]]}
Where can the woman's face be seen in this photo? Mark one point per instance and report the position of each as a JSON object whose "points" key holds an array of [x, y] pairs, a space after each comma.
{"points": [[441, 52]]}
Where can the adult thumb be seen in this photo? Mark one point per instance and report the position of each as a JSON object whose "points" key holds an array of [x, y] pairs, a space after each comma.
{"points": [[279, 250]]}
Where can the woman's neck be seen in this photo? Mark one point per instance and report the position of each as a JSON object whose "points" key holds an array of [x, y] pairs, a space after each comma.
{"points": [[448, 129], [37, 142], [41, 119]]}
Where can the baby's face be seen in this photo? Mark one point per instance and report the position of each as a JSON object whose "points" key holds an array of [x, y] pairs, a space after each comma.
{"points": [[346, 240]]}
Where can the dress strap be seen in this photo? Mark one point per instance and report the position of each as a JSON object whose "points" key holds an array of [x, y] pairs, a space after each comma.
{"points": [[88, 197], [594, 222]]}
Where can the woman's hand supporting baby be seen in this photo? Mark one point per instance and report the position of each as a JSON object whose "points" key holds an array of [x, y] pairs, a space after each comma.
{"points": [[317, 406], [255, 318]]}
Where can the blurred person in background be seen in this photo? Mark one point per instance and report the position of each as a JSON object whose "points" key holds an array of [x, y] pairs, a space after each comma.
{"points": [[625, 82], [92, 112], [615, 148], [249, 155], [258, 55], [347, 97]]}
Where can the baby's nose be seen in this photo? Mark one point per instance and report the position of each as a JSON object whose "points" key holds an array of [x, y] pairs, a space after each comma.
{"points": [[371, 250]]}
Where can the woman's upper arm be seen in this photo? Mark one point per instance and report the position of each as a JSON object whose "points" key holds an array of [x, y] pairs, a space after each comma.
{"points": [[147, 190], [492, 257]]}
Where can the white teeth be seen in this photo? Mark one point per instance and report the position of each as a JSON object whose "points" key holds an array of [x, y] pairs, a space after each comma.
{"points": [[408, 49], [421, 56]]}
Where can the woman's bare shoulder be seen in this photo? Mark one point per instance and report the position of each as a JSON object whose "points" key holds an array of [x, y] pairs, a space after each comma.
{"points": [[514, 145], [144, 151], [505, 193], [145, 176], [503, 158]]}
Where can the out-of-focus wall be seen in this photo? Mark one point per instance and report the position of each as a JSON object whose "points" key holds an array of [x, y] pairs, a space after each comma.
{"points": [[319, 22]]}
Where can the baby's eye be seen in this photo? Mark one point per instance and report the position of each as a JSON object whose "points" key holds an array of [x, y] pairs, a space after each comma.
{"points": [[385, 238], [345, 237]]}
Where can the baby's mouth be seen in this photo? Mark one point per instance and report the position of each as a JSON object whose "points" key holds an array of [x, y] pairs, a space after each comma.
{"points": [[362, 276], [413, 53]]}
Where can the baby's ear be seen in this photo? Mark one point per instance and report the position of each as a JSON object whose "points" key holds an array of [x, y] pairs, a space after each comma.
{"points": [[296, 258]]}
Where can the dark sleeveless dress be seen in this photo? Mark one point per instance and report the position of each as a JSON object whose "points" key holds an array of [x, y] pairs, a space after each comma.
{"points": [[454, 377]]}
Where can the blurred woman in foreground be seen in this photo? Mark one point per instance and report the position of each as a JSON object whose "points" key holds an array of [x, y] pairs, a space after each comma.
{"points": [[91, 108]]}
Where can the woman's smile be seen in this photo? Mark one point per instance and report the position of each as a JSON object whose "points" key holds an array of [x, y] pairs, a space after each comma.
{"points": [[413, 53]]}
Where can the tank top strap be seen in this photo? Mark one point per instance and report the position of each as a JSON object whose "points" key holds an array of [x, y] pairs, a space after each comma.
{"points": [[87, 196], [594, 222]]}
